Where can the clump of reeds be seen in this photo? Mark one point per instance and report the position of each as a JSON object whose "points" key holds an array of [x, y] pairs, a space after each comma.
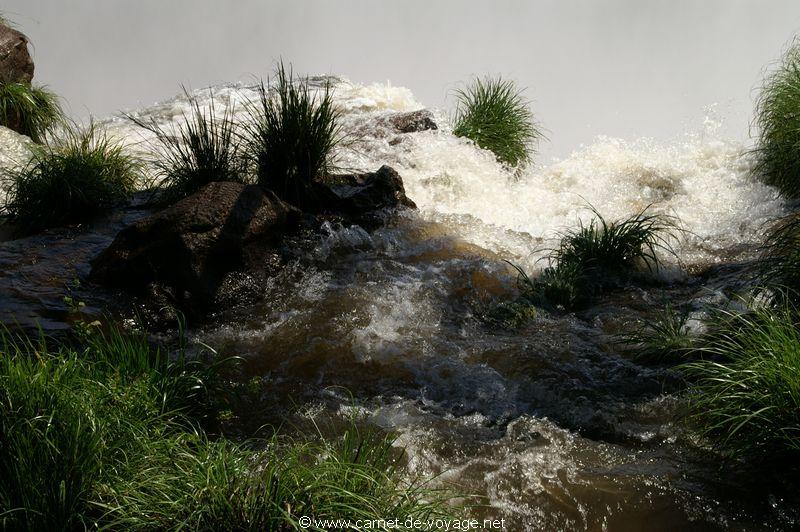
{"points": [[76, 175], [600, 254], [494, 114], [29, 109], [291, 136], [203, 148]]}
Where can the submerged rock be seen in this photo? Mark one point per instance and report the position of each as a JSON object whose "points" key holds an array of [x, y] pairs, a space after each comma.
{"points": [[38, 271], [186, 250], [16, 64]]}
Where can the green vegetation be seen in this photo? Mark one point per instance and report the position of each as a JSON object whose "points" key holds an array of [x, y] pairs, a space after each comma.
{"points": [[29, 110], [615, 248], [778, 268], [111, 436], [512, 314], [205, 148], [70, 180], [291, 136], [493, 113], [778, 121], [554, 286], [69, 420], [746, 389], [661, 338], [600, 254]]}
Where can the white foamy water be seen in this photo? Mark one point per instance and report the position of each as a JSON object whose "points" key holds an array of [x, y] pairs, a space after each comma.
{"points": [[15, 151], [539, 421], [499, 414], [706, 182]]}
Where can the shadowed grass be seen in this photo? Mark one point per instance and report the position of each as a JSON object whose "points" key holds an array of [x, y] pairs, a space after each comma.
{"points": [[616, 248], [69, 419], [29, 110], [267, 486], [202, 149], [777, 116], [50, 448], [746, 390], [111, 436], [70, 180], [778, 268], [291, 136], [554, 286], [663, 337], [600, 254], [493, 113]]}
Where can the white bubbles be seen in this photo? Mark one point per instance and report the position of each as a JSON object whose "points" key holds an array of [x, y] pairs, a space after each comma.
{"points": [[15, 150], [704, 181], [389, 314]]}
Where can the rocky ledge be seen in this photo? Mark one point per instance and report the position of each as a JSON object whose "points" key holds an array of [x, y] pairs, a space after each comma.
{"points": [[219, 245]]}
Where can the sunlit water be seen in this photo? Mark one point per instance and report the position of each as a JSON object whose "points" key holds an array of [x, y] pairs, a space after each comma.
{"points": [[549, 422]]}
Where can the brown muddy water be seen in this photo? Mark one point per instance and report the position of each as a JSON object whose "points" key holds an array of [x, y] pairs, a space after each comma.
{"points": [[555, 425]]}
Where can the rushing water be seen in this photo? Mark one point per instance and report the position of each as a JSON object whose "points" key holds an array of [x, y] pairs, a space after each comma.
{"points": [[551, 422]]}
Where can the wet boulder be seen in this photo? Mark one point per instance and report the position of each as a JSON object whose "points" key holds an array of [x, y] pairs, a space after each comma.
{"points": [[363, 199], [413, 121], [358, 194], [187, 250], [16, 64]]}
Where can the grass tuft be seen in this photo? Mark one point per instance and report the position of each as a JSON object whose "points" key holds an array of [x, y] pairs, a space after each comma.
{"points": [[493, 113], [205, 148], [291, 136], [778, 120], [267, 486], [616, 248], [746, 392], [555, 286], [663, 337], [512, 314], [111, 436], [70, 180], [29, 110], [599, 255], [778, 268]]}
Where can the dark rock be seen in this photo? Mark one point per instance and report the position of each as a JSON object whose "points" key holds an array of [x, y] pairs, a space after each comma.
{"points": [[187, 250], [16, 65], [359, 194], [412, 122]]}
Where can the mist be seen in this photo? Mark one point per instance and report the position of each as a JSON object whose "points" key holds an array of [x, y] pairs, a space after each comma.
{"points": [[622, 68]]}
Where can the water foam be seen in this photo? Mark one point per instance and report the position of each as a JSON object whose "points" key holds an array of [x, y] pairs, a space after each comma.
{"points": [[705, 181], [387, 314]]}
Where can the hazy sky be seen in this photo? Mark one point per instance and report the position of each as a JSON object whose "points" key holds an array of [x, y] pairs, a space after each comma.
{"points": [[625, 68]]}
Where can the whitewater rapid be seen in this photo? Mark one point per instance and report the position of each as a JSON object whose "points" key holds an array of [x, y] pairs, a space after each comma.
{"points": [[706, 182], [550, 423]]}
